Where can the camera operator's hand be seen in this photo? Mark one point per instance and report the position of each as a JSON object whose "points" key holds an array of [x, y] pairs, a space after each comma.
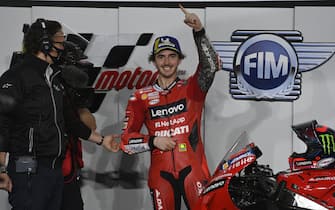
{"points": [[5, 182], [111, 142]]}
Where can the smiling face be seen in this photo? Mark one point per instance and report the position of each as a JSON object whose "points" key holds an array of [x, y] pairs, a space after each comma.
{"points": [[167, 62]]}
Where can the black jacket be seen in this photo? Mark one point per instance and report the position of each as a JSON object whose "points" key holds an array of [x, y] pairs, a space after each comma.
{"points": [[32, 112]]}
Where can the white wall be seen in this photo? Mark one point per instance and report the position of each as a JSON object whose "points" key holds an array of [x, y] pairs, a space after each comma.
{"points": [[268, 123], [317, 101], [11, 35]]}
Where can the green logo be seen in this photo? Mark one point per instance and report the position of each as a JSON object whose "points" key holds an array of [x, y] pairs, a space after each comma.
{"points": [[328, 143]]}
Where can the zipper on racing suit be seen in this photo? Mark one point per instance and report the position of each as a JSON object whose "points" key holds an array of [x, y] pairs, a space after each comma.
{"points": [[169, 127]]}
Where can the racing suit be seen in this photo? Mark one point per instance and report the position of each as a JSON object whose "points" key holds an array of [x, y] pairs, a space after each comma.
{"points": [[175, 111]]}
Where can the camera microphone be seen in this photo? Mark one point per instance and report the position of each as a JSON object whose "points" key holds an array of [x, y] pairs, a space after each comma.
{"points": [[74, 76]]}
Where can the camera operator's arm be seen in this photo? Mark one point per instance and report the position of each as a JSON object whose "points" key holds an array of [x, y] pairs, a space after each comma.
{"points": [[78, 128], [10, 95], [109, 141], [5, 181], [89, 120]]}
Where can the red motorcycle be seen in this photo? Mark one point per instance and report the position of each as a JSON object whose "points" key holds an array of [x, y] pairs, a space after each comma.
{"points": [[239, 182], [310, 181]]}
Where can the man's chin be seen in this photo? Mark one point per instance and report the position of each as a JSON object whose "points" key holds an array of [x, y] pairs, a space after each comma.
{"points": [[168, 75]]}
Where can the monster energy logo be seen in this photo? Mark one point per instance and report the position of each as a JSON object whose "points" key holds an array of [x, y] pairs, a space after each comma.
{"points": [[328, 143]]}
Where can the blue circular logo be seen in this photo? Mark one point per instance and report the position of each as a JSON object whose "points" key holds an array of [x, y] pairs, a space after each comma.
{"points": [[265, 65]]}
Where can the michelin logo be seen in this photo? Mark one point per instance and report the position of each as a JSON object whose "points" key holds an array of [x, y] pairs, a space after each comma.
{"points": [[267, 65]]}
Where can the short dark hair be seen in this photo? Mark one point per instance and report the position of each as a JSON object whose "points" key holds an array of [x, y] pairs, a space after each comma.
{"points": [[32, 41]]}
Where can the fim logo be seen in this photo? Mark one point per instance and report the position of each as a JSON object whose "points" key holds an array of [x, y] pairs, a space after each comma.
{"points": [[267, 65]]}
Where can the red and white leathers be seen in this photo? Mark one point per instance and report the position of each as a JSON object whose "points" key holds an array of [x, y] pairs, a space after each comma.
{"points": [[175, 111]]}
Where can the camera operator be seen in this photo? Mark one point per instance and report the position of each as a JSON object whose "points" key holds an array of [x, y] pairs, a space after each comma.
{"points": [[34, 118], [79, 96]]}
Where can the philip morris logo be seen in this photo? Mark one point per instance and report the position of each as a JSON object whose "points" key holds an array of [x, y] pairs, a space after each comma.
{"points": [[267, 65], [168, 110]]}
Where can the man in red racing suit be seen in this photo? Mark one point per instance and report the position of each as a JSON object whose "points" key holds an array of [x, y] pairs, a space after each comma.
{"points": [[171, 109]]}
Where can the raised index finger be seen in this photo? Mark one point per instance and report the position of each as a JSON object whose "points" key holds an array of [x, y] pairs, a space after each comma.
{"points": [[183, 9]]}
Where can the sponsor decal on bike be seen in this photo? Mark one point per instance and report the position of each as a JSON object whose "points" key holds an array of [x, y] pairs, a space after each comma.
{"points": [[247, 154], [325, 162], [303, 163], [222, 176], [328, 178], [241, 162], [328, 143], [214, 186]]}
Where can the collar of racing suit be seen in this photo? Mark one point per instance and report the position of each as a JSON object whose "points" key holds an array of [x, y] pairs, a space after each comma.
{"points": [[159, 88]]}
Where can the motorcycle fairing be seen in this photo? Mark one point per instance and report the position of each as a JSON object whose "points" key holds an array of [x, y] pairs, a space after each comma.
{"points": [[216, 193], [317, 185]]}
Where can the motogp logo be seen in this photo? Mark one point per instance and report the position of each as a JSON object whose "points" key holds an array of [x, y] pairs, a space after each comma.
{"points": [[267, 65]]}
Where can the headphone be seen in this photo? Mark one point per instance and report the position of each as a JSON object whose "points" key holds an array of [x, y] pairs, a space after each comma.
{"points": [[46, 44]]}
